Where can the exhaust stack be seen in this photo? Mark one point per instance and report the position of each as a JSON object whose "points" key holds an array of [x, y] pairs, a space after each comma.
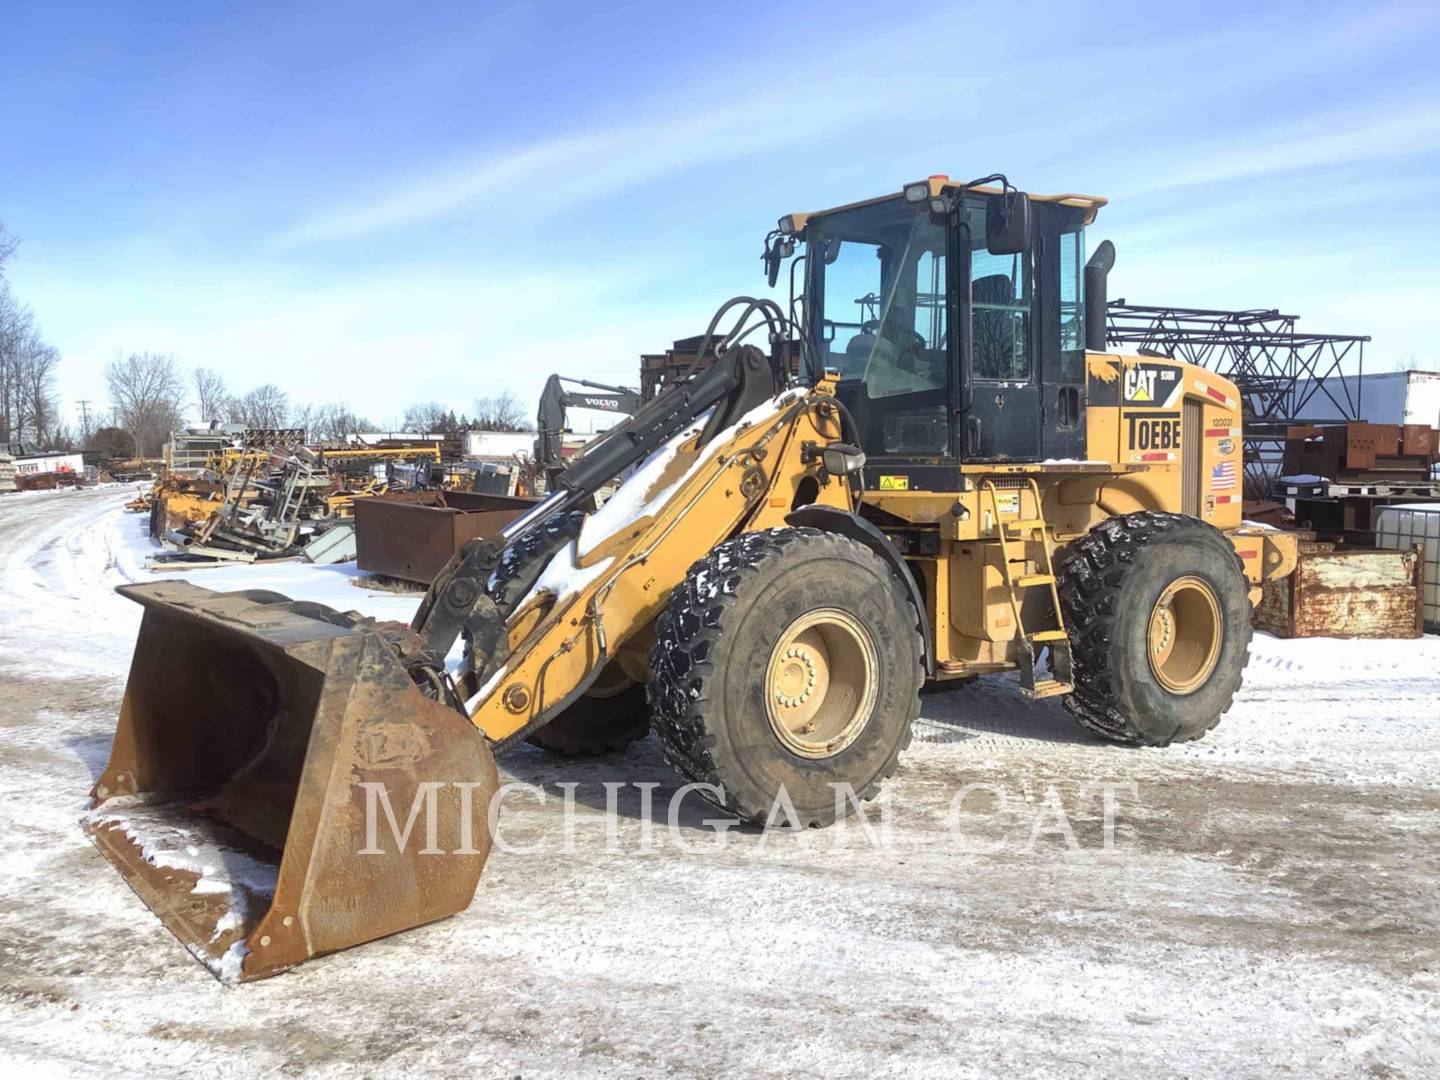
{"points": [[1097, 271]]}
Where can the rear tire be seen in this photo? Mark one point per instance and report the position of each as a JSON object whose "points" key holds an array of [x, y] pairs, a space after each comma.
{"points": [[789, 658], [1159, 618], [611, 715]]}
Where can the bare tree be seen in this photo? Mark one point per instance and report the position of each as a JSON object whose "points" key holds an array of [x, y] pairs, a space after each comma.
{"points": [[28, 405], [426, 416], [29, 408], [336, 421], [8, 244], [264, 407], [38, 387], [303, 417], [62, 437], [15, 327], [147, 390], [211, 397], [502, 412]]}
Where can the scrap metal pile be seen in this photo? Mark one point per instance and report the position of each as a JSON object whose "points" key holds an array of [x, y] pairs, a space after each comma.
{"points": [[268, 496], [1338, 477], [1368, 501]]}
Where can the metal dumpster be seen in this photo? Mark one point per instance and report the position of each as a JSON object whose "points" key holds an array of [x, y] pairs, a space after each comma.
{"points": [[1345, 592], [411, 535]]}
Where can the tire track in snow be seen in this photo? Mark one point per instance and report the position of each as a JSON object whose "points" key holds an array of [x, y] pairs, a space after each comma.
{"points": [[62, 615]]}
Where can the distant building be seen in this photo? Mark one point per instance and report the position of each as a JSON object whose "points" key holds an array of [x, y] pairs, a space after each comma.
{"points": [[1390, 397], [34, 464], [496, 444]]}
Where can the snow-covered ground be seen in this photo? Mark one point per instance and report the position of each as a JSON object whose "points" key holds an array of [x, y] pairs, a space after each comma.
{"points": [[1263, 901]]}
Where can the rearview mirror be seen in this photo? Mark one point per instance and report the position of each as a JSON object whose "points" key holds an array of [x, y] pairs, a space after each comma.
{"points": [[1007, 223], [775, 254]]}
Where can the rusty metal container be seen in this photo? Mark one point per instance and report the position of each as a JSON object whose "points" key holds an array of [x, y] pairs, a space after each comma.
{"points": [[1345, 592], [412, 536]]}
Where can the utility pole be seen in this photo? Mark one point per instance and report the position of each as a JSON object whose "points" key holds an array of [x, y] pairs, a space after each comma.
{"points": [[84, 423]]}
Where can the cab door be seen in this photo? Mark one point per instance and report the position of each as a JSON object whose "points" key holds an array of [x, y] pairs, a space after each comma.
{"points": [[1002, 416], [1060, 253]]}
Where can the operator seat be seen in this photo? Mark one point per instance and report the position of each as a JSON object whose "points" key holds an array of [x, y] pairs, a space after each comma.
{"points": [[863, 350]]}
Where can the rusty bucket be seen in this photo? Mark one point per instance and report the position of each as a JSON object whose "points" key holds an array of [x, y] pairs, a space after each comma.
{"points": [[278, 787]]}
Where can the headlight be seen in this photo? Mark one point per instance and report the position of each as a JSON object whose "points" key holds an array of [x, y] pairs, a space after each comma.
{"points": [[918, 192], [787, 225]]}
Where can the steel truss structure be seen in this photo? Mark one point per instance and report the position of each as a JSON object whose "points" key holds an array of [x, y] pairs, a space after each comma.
{"points": [[1285, 376]]}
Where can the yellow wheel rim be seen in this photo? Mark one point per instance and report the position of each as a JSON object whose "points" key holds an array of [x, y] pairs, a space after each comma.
{"points": [[612, 682], [821, 682], [1183, 642]]}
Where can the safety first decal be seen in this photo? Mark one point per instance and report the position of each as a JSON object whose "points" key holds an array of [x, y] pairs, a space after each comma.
{"points": [[1155, 385]]}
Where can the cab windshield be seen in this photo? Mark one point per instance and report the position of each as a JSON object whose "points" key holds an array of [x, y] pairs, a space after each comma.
{"points": [[880, 321]]}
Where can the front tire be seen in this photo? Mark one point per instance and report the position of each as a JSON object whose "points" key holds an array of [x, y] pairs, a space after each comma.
{"points": [[788, 660], [1159, 618]]}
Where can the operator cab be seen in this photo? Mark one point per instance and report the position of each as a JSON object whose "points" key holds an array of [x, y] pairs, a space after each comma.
{"points": [[953, 316]]}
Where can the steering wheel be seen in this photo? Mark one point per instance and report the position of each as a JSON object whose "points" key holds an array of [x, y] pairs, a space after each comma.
{"points": [[909, 348]]}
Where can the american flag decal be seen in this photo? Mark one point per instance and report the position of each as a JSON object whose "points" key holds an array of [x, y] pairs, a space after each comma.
{"points": [[1222, 477]]}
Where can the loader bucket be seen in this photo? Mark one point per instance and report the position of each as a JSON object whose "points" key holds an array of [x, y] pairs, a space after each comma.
{"points": [[279, 788]]}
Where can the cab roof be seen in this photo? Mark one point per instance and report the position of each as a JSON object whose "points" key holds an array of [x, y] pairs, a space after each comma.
{"points": [[1091, 204]]}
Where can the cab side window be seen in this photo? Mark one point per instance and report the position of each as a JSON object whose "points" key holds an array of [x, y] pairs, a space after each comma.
{"points": [[1000, 293], [1072, 306]]}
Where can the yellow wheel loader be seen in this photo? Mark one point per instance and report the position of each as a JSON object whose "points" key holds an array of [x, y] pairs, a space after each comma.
{"points": [[929, 469]]}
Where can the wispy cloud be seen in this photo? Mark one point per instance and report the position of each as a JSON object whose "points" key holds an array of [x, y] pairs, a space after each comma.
{"points": [[1338, 139], [906, 89], [577, 167]]}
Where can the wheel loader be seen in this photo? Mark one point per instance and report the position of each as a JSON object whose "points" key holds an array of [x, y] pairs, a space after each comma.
{"points": [[929, 468]]}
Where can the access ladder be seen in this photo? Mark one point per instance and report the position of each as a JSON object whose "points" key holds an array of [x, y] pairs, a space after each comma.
{"points": [[1027, 531]]}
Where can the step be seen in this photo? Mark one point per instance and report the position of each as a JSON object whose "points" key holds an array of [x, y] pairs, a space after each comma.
{"points": [[1049, 635], [1048, 688], [1026, 581], [1023, 524]]}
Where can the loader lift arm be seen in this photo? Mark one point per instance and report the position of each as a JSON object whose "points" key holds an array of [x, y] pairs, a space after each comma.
{"points": [[456, 603], [610, 583]]}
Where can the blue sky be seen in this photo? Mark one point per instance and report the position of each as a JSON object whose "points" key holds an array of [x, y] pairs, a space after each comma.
{"points": [[388, 203]]}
